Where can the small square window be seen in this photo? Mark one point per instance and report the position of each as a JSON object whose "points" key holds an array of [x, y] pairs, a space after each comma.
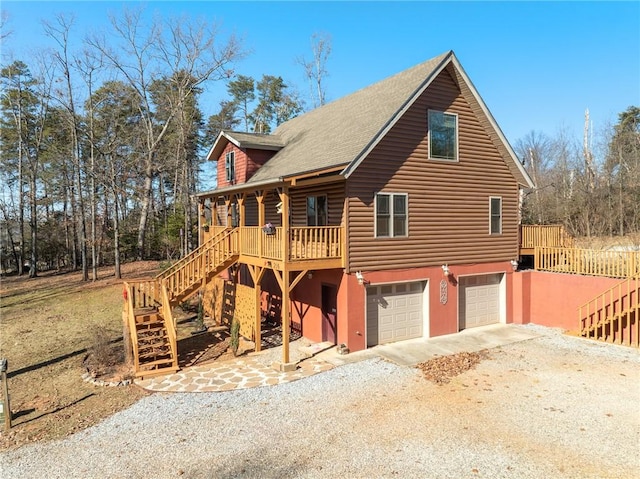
{"points": [[391, 215], [495, 215], [443, 136]]}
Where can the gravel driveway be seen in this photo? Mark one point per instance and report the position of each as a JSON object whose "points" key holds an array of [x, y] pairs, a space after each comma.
{"points": [[550, 407]]}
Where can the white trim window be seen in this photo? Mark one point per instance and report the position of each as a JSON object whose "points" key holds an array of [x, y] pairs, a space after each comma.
{"points": [[443, 135], [230, 166], [495, 215], [391, 215], [316, 210]]}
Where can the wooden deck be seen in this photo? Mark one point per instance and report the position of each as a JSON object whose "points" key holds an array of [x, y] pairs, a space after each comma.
{"points": [[532, 236]]}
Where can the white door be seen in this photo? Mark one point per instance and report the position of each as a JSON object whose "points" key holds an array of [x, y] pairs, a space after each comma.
{"points": [[394, 312], [479, 300]]}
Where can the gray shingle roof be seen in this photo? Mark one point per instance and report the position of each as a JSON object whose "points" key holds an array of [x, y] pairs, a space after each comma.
{"points": [[336, 133], [342, 132]]}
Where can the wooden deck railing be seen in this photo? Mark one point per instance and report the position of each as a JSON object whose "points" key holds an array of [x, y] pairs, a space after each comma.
{"points": [[612, 264], [613, 316], [215, 234], [316, 242], [255, 242], [169, 323], [544, 235], [129, 319], [305, 243], [143, 294], [199, 266]]}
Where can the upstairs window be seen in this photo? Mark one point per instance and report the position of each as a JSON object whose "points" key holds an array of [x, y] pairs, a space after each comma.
{"points": [[391, 215], [230, 166], [316, 210], [495, 215], [443, 136]]}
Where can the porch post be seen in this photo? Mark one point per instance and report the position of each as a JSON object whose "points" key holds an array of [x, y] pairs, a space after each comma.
{"points": [[214, 211], [242, 207], [227, 204], [201, 220], [256, 273], [286, 320], [261, 217]]}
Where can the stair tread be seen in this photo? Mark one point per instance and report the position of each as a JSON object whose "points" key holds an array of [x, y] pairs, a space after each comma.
{"points": [[154, 355], [157, 362]]}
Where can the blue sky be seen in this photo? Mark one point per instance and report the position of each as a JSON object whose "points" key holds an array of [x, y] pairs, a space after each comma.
{"points": [[537, 65]]}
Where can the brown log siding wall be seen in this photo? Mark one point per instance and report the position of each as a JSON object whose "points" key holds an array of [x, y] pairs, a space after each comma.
{"points": [[448, 201], [335, 203]]}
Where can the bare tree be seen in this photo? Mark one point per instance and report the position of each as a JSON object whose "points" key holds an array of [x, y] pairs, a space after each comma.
{"points": [[315, 70], [146, 55], [4, 19], [59, 31]]}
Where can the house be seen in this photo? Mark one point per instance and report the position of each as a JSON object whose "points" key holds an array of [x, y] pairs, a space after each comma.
{"points": [[389, 214]]}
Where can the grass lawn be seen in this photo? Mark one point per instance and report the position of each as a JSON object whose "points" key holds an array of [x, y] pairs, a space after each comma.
{"points": [[48, 325]]}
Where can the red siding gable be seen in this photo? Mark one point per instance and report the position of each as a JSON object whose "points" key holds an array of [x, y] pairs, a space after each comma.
{"points": [[247, 162]]}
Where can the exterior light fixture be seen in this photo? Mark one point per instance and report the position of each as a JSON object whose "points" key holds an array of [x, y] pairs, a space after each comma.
{"points": [[359, 277], [445, 270], [514, 264]]}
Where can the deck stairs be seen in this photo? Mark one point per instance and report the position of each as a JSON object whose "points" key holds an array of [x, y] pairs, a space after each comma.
{"points": [[614, 315], [149, 303]]}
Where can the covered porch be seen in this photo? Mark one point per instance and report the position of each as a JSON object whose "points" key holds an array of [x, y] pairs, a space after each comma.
{"points": [[285, 230]]}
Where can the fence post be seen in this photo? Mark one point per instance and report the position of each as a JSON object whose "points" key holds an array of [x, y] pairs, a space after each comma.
{"points": [[5, 406]]}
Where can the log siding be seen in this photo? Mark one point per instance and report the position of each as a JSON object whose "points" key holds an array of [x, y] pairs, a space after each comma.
{"points": [[448, 206]]}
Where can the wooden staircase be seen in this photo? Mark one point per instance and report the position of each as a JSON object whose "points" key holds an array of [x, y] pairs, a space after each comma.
{"points": [[614, 315], [148, 304]]}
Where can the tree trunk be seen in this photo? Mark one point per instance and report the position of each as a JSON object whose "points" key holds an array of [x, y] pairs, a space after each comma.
{"points": [[144, 211]]}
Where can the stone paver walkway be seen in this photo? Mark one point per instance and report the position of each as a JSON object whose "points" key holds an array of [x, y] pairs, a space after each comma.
{"points": [[240, 373]]}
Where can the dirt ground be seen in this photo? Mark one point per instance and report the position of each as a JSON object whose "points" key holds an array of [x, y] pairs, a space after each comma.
{"points": [[51, 328]]}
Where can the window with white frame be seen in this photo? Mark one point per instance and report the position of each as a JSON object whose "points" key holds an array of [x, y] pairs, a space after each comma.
{"points": [[443, 135], [316, 210], [495, 215], [391, 215], [230, 166]]}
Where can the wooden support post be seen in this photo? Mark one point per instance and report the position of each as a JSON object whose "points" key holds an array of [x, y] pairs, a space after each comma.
{"points": [[6, 406], [126, 333], [257, 272], [213, 204], [261, 217], [227, 204], [286, 320], [242, 207], [202, 221]]}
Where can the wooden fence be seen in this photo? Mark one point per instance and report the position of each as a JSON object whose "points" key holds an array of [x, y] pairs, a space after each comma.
{"points": [[544, 235], [612, 264]]}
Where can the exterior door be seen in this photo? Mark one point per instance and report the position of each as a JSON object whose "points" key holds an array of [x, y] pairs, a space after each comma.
{"points": [[329, 313]]}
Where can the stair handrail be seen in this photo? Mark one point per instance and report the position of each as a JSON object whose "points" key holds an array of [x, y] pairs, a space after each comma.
{"points": [[203, 263], [131, 321], [617, 294], [169, 323], [185, 259]]}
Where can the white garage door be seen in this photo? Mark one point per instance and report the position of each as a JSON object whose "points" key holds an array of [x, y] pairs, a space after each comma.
{"points": [[479, 300], [394, 312]]}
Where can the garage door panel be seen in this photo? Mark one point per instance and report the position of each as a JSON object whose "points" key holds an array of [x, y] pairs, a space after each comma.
{"points": [[479, 300], [394, 312]]}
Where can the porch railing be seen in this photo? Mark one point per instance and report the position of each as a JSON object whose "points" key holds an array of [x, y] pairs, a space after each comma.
{"points": [[612, 264], [316, 242], [613, 316], [305, 243], [544, 235]]}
